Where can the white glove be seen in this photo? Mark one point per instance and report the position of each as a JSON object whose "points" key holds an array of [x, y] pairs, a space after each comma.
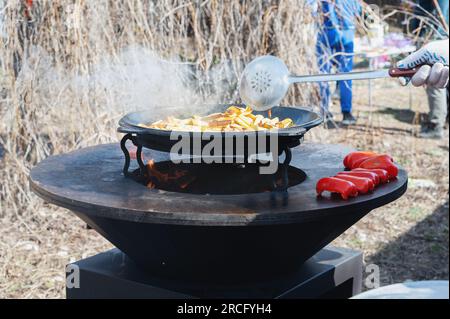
{"points": [[434, 53]]}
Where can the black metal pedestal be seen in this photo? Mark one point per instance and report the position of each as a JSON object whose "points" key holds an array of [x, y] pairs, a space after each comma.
{"points": [[331, 273]]}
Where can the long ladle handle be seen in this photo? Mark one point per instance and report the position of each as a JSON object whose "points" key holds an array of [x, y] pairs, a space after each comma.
{"points": [[398, 73], [364, 75]]}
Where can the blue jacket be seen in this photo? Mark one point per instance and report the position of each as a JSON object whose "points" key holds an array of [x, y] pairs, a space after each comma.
{"points": [[339, 20]]}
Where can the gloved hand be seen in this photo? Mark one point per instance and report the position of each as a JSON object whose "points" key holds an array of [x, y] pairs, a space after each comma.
{"points": [[434, 53]]}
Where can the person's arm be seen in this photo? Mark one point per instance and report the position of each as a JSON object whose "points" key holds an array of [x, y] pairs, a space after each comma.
{"points": [[435, 71], [331, 22]]}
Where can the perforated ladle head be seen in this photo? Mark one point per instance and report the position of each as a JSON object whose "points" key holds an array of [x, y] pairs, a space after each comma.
{"points": [[264, 82]]}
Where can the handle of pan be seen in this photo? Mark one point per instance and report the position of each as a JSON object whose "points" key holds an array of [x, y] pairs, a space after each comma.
{"points": [[294, 131], [130, 129]]}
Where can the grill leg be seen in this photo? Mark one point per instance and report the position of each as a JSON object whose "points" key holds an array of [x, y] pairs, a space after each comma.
{"points": [[123, 146], [287, 151], [284, 168], [142, 167], [126, 166], [282, 189]]}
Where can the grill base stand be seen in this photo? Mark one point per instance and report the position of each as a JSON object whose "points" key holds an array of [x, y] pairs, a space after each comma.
{"points": [[331, 273]]}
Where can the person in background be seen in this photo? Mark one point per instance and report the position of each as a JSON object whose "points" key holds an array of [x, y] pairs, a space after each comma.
{"points": [[437, 95], [335, 46]]}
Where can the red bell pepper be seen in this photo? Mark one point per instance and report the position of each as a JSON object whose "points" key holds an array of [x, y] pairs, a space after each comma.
{"points": [[382, 173], [363, 184], [374, 177], [381, 161], [354, 158], [335, 185]]}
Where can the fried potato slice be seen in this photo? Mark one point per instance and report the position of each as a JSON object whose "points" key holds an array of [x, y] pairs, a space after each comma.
{"points": [[234, 119]]}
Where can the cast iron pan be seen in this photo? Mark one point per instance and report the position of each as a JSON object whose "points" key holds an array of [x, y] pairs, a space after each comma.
{"points": [[157, 139]]}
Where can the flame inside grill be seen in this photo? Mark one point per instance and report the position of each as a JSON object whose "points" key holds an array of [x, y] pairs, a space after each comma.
{"points": [[218, 178], [178, 178]]}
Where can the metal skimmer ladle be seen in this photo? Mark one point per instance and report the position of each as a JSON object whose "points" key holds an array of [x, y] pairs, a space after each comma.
{"points": [[266, 79]]}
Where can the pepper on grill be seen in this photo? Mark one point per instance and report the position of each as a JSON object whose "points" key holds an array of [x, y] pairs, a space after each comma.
{"points": [[373, 176], [335, 185], [381, 161], [382, 174], [367, 170], [363, 184], [353, 159]]}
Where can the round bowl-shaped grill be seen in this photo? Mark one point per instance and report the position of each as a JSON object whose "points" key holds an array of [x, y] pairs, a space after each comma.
{"points": [[218, 237]]}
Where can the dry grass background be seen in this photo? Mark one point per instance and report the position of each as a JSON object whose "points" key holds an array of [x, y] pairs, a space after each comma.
{"points": [[84, 63]]}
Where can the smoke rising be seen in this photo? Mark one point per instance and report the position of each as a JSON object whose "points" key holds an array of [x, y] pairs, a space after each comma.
{"points": [[140, 79], [134, 79]]}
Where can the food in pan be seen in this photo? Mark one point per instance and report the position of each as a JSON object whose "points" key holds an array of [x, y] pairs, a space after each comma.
{"points": [[234, 119]]}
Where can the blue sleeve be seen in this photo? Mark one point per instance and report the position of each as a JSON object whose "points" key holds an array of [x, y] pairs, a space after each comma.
{"points": [[331, 22], [329, 13]]}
